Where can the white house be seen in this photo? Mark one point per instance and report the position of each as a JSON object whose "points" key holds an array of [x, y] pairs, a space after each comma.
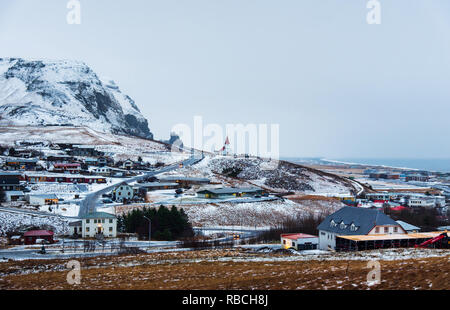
{"points": [[123, 192], [355, 221], [98, 223], [299, 241], [426, 201], [103, 171], [42, 200], [417, 202], [128, 164]]}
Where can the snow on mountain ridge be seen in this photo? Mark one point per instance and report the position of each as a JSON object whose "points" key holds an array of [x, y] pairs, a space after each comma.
{"points": [[42, 92]]}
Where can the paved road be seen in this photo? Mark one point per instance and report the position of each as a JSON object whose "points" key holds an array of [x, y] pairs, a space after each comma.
{"points": [[89, 203]]}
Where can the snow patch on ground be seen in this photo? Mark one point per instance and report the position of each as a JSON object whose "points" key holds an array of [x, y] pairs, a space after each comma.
{"points": [[10, 222]]}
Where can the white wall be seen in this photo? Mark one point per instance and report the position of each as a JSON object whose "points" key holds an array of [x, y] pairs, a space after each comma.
{"points": [[124, 192], [289, 243], [327, 240], [390, 231], [105, 224]]}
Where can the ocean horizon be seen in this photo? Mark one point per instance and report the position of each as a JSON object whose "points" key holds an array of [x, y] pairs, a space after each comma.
{"points": [[430, 164]]}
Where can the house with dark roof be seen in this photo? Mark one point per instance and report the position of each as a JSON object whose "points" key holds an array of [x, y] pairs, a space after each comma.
{"points": [[123, 192], [229, 192], [355, 221], [21, 164], [10, 181]]}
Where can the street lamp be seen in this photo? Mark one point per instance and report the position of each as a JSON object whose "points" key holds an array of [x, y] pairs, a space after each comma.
{"points": [[149, 228]]}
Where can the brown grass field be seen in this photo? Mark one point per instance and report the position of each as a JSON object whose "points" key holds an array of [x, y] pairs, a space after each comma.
{"points": [[207, 270]]}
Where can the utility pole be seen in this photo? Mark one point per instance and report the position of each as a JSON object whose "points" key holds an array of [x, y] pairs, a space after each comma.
{"points": [[64, 235], [149, 228]]}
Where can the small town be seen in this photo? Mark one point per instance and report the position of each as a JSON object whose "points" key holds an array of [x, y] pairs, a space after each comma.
{"points": [[217, 154], [67, 200]]}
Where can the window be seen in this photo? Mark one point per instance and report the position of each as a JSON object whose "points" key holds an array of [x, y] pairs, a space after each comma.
{"points": [[386, 230], [342, 226], [87, 221], [333, 223], [395, 229], [377, 230], [284, 241], [87, 229], [111, 221], [110, 229]]}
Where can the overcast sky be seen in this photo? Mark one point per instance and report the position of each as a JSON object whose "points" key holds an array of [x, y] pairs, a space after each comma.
{"points": [[337, 86]]}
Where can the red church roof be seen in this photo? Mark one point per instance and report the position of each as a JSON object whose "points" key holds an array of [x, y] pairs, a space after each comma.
{"points": [[227, 142]]}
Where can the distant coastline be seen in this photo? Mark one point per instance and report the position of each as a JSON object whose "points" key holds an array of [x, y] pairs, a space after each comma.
{"points": [[431, 165]]}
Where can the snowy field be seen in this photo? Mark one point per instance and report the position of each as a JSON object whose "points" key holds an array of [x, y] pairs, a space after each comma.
{"points": [[12, 222], [286, 176], [260, 214]]}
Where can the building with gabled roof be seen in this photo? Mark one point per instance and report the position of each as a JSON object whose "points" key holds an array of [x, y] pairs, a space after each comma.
{"points": [[355, 221], [123, 192], [10, 181], [32, 236], [226, 149], [229, 192], [98, 223]]}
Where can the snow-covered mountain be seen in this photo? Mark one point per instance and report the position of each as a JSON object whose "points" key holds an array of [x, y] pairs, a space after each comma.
{"points": [[38, 92]]}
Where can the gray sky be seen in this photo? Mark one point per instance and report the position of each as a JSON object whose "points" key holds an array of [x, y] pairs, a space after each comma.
{"points": [[337, 86]]}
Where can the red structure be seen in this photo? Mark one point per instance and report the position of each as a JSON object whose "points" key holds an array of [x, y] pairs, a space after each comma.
{"points": [[62, 167], [33, 235], [399, 208], [431, 241]]}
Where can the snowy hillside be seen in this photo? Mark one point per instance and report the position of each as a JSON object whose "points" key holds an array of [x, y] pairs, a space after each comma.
{"points": [[65, 93], [287, 177]]}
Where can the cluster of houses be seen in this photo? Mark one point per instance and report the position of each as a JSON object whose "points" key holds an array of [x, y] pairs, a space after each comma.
{"points": [[93, 225], [61, 163], [356, 229], [406, 176], [399, 201], [126, 192]]}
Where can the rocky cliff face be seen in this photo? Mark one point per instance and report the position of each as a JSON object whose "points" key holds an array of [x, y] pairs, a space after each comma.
{"points": [[37, 92]]}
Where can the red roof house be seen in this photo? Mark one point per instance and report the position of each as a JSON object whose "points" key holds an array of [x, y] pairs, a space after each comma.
{"points": [[299, 241], [33, 235]]}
